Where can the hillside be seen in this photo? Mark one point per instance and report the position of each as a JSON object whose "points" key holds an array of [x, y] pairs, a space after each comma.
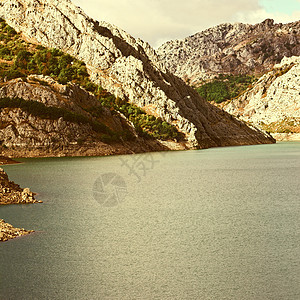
{"points": [[130, 70], [273, 103], [50, 107], [233, 49]]}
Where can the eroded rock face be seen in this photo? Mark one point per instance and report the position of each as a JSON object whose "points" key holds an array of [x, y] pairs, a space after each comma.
{"points": [[273, 103], [8, 232], [232, 49], [128, 68], [49, 92], [20, 129]]}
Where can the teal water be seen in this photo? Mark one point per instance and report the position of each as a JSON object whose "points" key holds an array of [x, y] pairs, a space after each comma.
{"points": [[220, 223]]}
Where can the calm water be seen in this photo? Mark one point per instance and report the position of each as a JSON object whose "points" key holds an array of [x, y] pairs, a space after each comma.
{"points": [[213, 224]]}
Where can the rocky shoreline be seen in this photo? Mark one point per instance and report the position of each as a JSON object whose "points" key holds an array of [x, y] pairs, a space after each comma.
{"points": [[12, 193], [7, 161], [8, 232]]}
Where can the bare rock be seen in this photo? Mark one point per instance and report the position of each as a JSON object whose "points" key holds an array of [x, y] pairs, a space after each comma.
{"points": [[231, 49], [273, 103], [8, 232], [128, 68], [12, 193]]}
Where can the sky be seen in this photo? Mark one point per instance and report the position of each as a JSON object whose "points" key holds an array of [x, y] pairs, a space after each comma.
{"points": [[157, 21]]}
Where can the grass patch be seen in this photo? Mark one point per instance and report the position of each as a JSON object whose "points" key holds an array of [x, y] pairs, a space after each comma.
{"points": [[225, 87]]}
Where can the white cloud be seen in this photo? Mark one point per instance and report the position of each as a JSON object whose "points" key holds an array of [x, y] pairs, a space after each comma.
{"points": [[157, 21]]}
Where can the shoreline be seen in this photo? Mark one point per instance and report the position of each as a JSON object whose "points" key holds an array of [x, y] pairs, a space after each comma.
{"points": [[12, 193], [7, 231], [4, 161]]}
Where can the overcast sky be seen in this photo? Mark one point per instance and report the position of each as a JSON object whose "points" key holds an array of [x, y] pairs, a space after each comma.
{"points": [[157, 21]]}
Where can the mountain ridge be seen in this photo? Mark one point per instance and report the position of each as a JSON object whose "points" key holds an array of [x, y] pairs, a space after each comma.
{"points": [[129, 69], [231, 48]]}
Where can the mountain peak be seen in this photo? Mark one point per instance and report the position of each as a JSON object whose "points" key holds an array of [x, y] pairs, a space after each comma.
{"points": [[231, 49]]}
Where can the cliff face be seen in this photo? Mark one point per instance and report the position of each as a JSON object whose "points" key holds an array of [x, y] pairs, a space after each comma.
{"points": [[128, 68], [26, 134], [231, 49], [273, 103]]}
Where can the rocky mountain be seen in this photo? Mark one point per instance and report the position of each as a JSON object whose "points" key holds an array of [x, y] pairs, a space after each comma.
{"points": [[231, 49], [273, 103], [126, 67], [62, 112]]}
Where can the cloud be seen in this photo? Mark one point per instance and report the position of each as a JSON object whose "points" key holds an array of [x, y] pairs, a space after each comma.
{"points": [[157, 21]]}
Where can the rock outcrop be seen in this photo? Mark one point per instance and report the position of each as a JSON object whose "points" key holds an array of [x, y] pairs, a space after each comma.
{"points": [[25, 135], [273, 103], [7, 161], [231, 49], [128, 68], [12, 193], [8, 232]]}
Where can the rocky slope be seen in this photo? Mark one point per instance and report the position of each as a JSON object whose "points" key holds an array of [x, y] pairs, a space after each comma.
{"points": [[273, 103], [8, 232], [23, 134], [231, 49], [128, 68]]}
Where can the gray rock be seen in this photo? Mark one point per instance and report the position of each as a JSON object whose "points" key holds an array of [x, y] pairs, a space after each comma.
{"points": [[127, 67], [274, 101], [232, 49]]}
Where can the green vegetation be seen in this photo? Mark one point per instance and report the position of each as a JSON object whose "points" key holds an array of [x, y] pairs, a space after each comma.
{"points": [[225, 87], [20, 59], [147, 125]]}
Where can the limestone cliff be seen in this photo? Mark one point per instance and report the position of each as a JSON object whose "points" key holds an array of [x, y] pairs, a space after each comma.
{"points": [[231, 49], [273, 103], [128, 68]]}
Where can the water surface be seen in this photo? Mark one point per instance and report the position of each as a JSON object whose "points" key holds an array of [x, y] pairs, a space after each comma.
{"points": [[220, 223]]}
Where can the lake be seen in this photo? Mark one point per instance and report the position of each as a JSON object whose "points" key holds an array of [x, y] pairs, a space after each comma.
{"points": [[221, 223]]}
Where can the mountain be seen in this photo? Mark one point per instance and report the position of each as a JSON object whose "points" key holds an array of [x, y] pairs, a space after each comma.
{"points": [[273, 103], [231, 49], [129, 69]]}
